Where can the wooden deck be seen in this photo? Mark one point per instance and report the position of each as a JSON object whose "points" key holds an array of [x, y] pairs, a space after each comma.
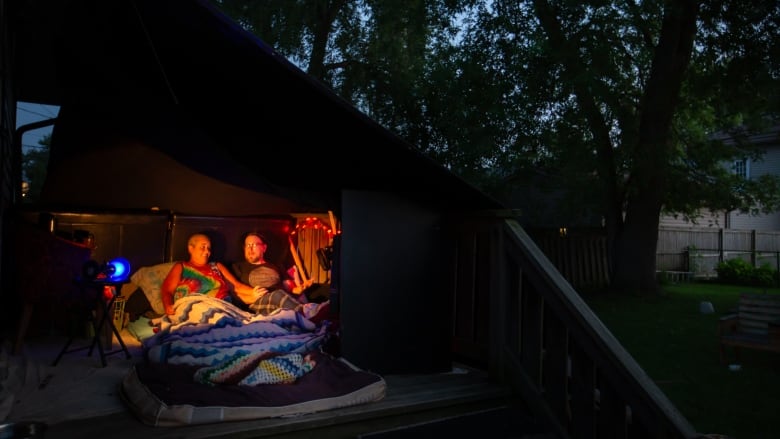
{"points": [[410, 400]]}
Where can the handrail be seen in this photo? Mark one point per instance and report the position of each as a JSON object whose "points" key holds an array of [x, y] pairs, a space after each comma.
{"points": [[547, 344]]}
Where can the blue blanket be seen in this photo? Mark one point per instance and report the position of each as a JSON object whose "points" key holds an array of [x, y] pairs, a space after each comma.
{"points": [[206, 331]]}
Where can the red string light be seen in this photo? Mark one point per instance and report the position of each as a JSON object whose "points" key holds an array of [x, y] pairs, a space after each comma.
{"points": [[316, 224]]}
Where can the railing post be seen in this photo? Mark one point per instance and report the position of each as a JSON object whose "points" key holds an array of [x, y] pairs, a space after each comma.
{"points": [[777, 267], [753, 248], [497, 302]]}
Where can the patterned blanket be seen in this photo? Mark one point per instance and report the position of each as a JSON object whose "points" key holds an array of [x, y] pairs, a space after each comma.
{"points": [[204, 331]]}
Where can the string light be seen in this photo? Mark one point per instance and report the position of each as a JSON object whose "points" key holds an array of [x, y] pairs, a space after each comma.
{"points": [[316, 224]]}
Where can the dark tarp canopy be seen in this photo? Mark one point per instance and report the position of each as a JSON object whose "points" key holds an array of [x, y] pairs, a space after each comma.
{"points": [[179, 78], [168, 103]]}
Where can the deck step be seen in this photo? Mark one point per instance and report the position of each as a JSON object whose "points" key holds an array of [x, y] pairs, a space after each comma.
{"points": [[499, 422], [499, 418]]}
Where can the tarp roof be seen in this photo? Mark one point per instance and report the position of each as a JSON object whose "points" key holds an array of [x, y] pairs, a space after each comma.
{"points": [[182, 78]]}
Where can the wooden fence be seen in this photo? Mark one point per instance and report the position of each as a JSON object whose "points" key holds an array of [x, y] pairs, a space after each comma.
{"points": [[699, 250], [582, 258]]}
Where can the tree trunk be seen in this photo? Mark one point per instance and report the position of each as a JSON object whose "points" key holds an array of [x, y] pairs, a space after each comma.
{"points": [[636, 243], [635, 252], [327, 11]]}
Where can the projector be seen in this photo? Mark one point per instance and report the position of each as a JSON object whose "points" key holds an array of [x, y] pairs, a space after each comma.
{"points": [[115, 270]]}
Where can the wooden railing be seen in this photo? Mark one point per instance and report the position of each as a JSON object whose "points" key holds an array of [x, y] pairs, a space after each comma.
{"points": [[581, 258], [513, 307]]}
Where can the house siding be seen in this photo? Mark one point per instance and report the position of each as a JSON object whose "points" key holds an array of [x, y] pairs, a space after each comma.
{"points": [[759, 222], [769, 164], [707, 220]]}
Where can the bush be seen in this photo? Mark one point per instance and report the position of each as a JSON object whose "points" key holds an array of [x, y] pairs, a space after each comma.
{"points": [[739, 272]]}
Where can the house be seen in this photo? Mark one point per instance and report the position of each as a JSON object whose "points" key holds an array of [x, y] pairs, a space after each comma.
{"points": [[570, 233], [158, 98], [769, 164], [686, 248]]}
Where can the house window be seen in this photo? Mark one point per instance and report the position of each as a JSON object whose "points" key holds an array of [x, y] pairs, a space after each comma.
{"points": [[742, 168]]}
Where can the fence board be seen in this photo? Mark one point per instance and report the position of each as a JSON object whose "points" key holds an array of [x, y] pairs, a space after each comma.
{"points": [[583, 259], [699, 250]]}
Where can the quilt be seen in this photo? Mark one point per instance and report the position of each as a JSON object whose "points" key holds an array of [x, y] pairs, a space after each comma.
{"points": [[213, 362], [207, 331]]}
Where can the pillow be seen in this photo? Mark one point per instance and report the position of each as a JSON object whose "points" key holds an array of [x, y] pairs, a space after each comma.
{"points": [[264, 276], [150, 280]]}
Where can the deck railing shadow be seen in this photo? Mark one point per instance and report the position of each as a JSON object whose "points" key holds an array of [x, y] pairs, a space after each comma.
{"points": [[514, 308]]}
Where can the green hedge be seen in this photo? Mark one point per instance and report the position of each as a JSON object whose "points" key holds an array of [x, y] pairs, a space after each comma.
{"points": [[739, 272]]}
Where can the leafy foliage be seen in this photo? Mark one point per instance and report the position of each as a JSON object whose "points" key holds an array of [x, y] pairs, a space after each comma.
{"points": [[611, 111], [740, 272], [34, 164]]}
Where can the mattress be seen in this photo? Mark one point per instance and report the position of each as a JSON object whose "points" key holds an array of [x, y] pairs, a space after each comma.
{"points": [[166, 395]]}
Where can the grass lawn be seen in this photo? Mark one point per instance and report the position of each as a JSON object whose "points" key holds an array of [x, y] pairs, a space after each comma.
{"points": [[677, 347]]}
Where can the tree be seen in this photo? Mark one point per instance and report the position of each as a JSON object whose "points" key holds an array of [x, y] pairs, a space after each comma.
{"points": [[34, 163], [392, 60], [636, 91], [617, 103], [302, 30]]}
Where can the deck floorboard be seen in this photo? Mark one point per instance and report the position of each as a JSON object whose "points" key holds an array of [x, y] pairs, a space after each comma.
{"points": [[408, 398]]}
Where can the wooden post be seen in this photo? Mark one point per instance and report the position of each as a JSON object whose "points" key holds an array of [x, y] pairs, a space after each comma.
{"points": [[777, 265], [753, 247]]}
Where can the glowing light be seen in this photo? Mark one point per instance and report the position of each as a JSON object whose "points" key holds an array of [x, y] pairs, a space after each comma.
{"points": [[118, 269], [316, 224]]}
